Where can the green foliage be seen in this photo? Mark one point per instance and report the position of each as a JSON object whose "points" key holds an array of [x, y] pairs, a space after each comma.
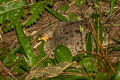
{"points": [[98, 28], [101, 76], [12, 58], [86, 63], [79, 2], [11, 12], [64, 8], [13, 52], [112, 3], [36, 10], [62, 54], [117, 40], [89, 41], [42, 47], [56, 14], [101, 32], [26, 45], [117, 76], [14, 10], [42, 55], [97, 24], [77, 57], [1, 77], [20, 67], [72, 17], [4, 1], [116, 48]]}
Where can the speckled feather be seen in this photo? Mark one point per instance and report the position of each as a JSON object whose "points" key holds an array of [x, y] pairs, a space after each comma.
{"points": [[67, 33]]}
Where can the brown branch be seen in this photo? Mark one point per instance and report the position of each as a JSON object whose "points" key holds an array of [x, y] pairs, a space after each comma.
{"points": [[100, 46]]}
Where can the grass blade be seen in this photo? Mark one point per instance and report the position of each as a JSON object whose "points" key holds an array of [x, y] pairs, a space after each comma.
{"points": [[54, 13], [26, 45], [89, 41], [112, 3], [12, 52]]}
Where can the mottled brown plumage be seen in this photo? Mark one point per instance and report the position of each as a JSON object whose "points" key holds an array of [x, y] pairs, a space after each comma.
{"points": [[67, 33]]}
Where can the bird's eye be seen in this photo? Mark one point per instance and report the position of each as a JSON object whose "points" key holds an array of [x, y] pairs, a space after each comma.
{"points": [[50, 34]]}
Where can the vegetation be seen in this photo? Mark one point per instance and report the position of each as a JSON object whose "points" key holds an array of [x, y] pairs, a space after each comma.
{"points": [[20, 63]]}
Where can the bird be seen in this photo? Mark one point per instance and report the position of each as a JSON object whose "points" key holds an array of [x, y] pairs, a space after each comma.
{"points": [[71, 34]]}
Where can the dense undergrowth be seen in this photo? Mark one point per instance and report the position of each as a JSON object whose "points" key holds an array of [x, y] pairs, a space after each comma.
{"points": [[92, 66]]}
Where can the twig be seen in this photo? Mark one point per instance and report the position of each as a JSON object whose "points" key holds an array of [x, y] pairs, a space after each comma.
{"points": [[39, 62], [100, 47], [7, 71], [110, 17], [9, 2]]}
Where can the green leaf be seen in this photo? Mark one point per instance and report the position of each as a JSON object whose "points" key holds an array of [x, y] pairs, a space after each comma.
{"points": [[42, 52], [54, 13], [4, 1], [85, 61], [42, 46], [72, 17], [117, 40], [96, 23], [2, 58], [11, 6], [79, 2], [117, 77], [6, 60], [112, 3], [64, 8], [63, 54], [36, 10], [68, 77], [116, 48], [11, 12], [23, 66], [101, 76], [101, 33], [12, 57], [49, 2], [26, 45], [19, 70], [89, 41], [86, 64], [12, 60], [77, 57], [42, 55]]}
